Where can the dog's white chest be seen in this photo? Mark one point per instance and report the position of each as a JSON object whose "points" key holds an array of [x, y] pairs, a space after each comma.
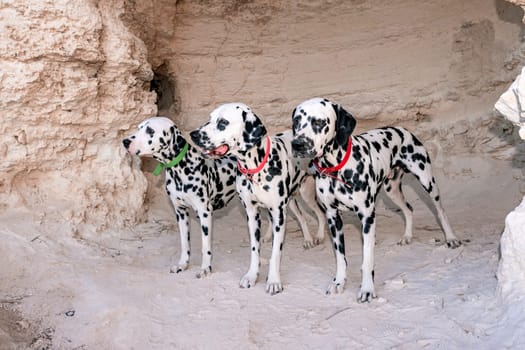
{"points": [[257, 191]]}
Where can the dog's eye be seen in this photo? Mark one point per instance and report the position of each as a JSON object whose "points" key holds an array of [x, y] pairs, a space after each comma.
{"points": [[318, 123], [222, 124]]}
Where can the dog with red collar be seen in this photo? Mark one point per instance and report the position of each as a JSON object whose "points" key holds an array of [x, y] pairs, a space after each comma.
{"points": [[350, 171], [267, 177]]}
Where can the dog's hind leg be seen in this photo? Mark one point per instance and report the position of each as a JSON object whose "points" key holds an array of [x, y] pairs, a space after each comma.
{"points": [[416, 160], [296, 210], [307, 191], [268, 235], [450, 237], [395, 193]]}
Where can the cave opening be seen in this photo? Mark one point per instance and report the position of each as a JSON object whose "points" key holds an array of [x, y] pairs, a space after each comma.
{"points": [[164, 86]]}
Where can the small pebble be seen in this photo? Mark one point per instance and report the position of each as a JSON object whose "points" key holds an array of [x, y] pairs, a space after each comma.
{"points": [[70, 313]]}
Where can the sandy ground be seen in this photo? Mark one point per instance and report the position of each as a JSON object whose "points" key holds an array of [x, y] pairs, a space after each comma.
{"points": [[113, 290]]}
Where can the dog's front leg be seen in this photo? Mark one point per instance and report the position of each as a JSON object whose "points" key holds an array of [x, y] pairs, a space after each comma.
{"points": [[335, 224], [368, 229], [254, 229], [183, 220], [273, 283], [206, 229]]}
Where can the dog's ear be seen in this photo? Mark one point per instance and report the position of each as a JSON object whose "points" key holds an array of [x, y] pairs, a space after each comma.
{"points": [[344, 125], [174, 137], [254, 130]]}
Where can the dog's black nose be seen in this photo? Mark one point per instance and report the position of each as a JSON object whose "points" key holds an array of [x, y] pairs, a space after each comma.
{"points": [[195, 136], [298, 145], [126, 143], [302, 146]]}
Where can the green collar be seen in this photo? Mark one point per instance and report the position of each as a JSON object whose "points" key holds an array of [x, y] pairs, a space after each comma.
{"points": [[178, 158]]}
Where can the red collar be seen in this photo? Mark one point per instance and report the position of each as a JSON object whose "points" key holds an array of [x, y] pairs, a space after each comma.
{"points": [[338, 166], [246, 171]]}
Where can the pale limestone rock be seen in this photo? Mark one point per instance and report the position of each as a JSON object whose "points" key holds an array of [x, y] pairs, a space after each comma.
{"points": [[74, 80], [511, 270], [511, 103]]}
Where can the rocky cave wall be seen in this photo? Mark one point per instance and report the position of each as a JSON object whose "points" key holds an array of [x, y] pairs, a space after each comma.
{"points": [[433, 66], [388, 61], [76, 76], [73, 77]]}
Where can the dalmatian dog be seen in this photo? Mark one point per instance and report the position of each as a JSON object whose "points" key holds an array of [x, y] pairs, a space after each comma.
{"points": [[267, 178], [192, 181], [350, 170]]}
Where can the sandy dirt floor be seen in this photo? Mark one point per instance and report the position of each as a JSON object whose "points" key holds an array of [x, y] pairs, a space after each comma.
{"points": [[113, 290]]}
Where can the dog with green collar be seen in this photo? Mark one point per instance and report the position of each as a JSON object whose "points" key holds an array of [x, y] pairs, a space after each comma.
{"points": [[192, 181]]}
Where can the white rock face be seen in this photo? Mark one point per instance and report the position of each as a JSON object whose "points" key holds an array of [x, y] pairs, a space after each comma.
{"points": [[72, 79], [511, 103], [511, 271], [509, 331]]}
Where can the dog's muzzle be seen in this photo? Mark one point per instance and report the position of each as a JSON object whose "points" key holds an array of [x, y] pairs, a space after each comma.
{"points": [[303, 147], [196, 137], [202, 140]]}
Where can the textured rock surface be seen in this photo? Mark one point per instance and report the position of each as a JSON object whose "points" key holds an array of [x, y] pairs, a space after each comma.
{"points": [[511, 277], [75, 77], [434, 67], [511, 271], [72, 78], [404, 61]]}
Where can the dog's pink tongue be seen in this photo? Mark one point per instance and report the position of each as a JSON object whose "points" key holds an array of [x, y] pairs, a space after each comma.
{"points": [[221, 150]]}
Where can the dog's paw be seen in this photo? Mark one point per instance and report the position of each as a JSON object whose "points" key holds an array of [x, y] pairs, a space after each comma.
{"points": [[318, 239], [274, 288], [335, 287], [454, 243], [405, 241], [179, 268], [366, 295], [307, 244], [248, 280], [204, 272]]}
